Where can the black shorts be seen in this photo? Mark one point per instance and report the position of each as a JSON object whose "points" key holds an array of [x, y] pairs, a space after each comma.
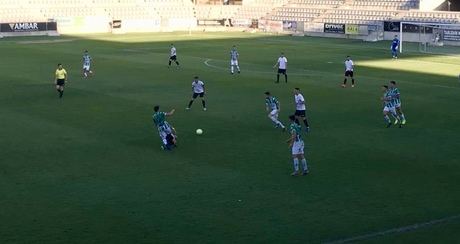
{"points": [[349, 73], [173, 58], [282, 71], [60, 82], [300, 113], [195, 95], [170, 139]]}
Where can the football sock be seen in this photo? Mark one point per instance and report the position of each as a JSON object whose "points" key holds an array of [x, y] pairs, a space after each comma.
{"points": [[387, 119], [204, 103], [304, 164], [285, 78], [296, 164], [231, 69], [169, 63], [352, 81], [177, 63], [190, 103], [277, 78], [402, 116], [305, 121], [344, 81], [61, 93], [238, 68]]}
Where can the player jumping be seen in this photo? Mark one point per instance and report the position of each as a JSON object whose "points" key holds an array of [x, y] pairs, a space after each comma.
{"points": [[273, 107], [234, 55], [173, 56], [297, 145], [396, 96], [198, 90], [87, 64], [282, 67], [61, 79], [395, 47], [349, 66]]}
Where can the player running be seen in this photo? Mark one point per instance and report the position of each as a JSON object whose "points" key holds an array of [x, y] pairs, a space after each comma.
{"points": [[396, 96], [388, 106], [173, 56], [87, 64], [61, 79], [198, 90], [168, 136], [395, 47], [297, 145], [349, 66], [273, 107], [282, 67], [234, 55], [300, 108]]}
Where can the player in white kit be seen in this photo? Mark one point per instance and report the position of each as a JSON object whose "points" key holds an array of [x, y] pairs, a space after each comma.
{"points": [[173, 56], [234, 55], [349, 67], [198, 90], [282, 67], [301, 108]]}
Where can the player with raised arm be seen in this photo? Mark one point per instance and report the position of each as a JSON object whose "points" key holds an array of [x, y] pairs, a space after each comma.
{"points": [[282, 68], [198, 90], [61, 79], [234, 55], [273, 107], [388, 106], [297, 146], [87, 64], [396, 96], [349, 67], [395, 47], [173, 56], [300, 108], [159, 117]]}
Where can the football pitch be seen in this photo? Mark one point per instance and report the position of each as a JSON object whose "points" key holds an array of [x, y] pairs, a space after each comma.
{"points": [[89, 168]]}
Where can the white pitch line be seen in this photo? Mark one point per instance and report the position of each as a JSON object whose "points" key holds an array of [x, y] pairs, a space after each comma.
{"points": [[399, 230]]}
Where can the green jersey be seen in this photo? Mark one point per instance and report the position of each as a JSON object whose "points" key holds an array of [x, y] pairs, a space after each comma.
{"points": [[272, 103], [159, 118], [395, 95], [388, 99], [296, 130]]}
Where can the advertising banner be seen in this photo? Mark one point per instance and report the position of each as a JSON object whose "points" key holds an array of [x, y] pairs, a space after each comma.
{"points": [[351, 29], [391, 26], [116, 24], [28, 27], [451, 35], [334, 28]]}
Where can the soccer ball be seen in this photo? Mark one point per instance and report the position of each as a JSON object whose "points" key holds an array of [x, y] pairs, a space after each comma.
{"points": [[199, 131]]}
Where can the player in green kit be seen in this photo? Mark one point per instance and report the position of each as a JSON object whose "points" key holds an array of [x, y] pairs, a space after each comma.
{"points": [[273, 107], [396, 96], [159, 118], [297, 145]]}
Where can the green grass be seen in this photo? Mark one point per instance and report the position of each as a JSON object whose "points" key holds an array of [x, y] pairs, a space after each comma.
{"points": [[89, 169]]}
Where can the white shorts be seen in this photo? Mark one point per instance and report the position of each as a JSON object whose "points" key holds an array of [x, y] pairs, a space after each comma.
{"points": [[86, 67], [389, 109], [298, 147], [233, 62], [274, 112]]}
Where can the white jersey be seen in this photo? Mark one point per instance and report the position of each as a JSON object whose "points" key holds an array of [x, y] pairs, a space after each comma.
{"points": [[234, 55], [282, 62], [173, 51], [198, 86], [349, 65], [299, 102]]}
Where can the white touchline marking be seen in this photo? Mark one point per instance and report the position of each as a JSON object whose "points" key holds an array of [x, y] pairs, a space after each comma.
{"points": [[403, 229], [322, 73]]}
